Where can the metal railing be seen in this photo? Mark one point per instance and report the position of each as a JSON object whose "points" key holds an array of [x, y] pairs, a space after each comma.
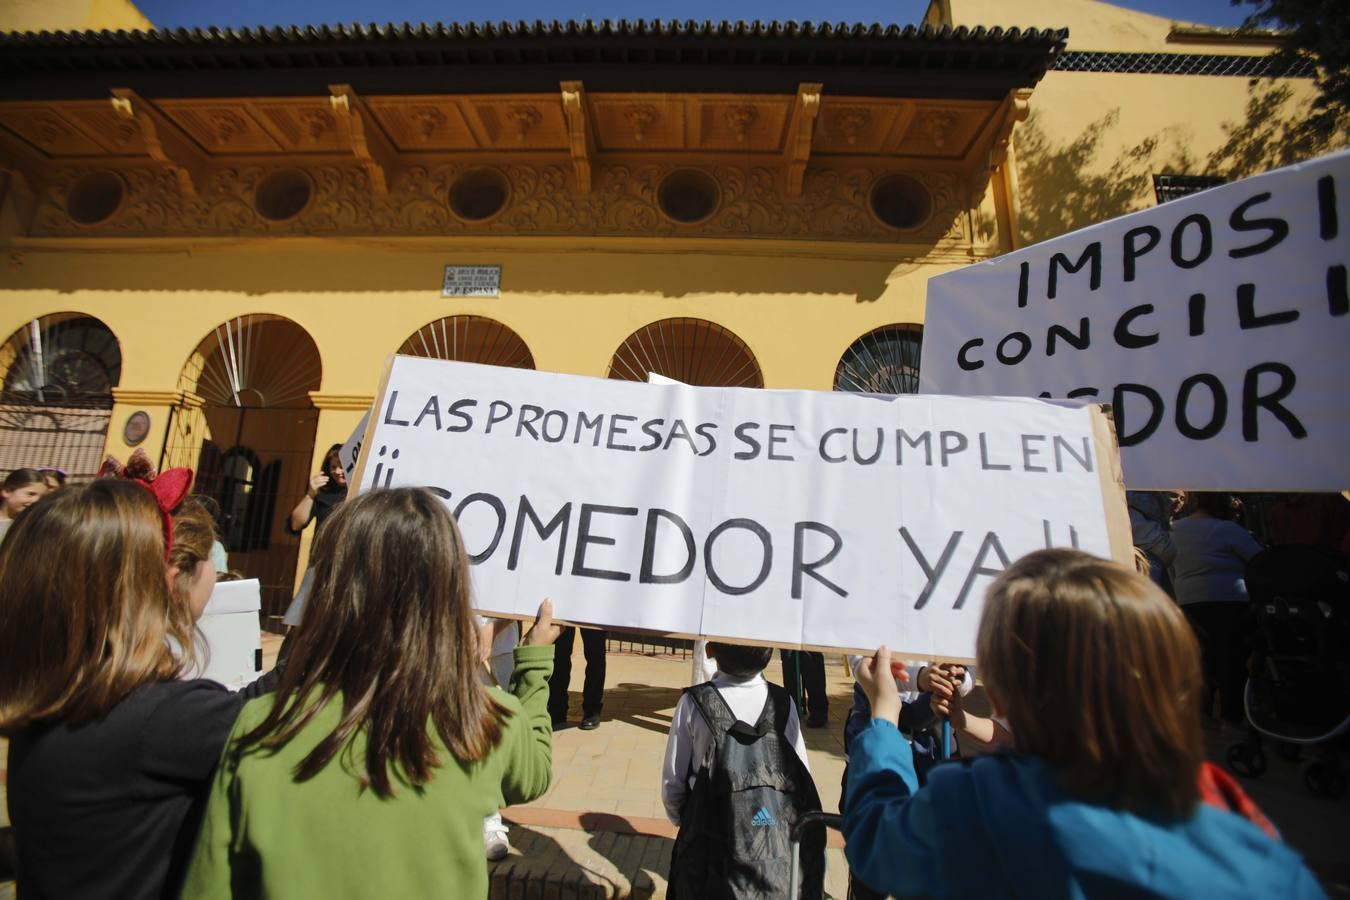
{"points": [[65, 434]]}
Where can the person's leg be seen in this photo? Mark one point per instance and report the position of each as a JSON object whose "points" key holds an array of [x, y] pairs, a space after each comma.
{"points": [[813, 684], [1230, 660], [1200, 617], [792, 679], [593, 689], [562, 675]]}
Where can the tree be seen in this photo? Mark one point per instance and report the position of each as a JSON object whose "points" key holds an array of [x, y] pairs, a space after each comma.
{"points": [[1316, 31]]}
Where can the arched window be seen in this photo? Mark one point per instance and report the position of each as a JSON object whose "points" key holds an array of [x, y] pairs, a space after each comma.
{"points": [[59, 358], [884, 361], [474, 339], [57, 375], [247, 427], [692, 351], [254, 361]]}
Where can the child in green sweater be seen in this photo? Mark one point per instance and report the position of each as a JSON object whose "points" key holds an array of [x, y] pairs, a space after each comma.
{"points": [[371, 769]]}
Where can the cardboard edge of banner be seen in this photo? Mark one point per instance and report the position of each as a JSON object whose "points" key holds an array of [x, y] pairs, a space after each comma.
{"points": [[899, 653], [359, 475], [1111, 476]]}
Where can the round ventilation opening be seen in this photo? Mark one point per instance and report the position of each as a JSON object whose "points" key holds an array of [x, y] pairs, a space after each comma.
{"points": [[901, 202], [95, 197], [283, 195], [687, 195], [479, 194]]}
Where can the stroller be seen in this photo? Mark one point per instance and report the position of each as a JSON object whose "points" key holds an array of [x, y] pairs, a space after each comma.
{"points": [[1298, 691]]}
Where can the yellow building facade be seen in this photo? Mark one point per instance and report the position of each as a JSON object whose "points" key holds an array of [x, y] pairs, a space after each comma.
{"points": [[209, 244]]}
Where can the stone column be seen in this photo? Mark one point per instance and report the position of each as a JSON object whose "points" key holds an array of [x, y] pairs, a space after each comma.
{"points": [[127, 402]]}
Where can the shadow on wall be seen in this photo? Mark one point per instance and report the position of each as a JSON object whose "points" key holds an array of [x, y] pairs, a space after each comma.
{"points": [[358, 265], [1271, 134], [1064, 187]]}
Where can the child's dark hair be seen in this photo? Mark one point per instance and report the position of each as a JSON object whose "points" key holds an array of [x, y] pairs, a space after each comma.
{"points": [[739, 661], [21, 478], [334, 455]]}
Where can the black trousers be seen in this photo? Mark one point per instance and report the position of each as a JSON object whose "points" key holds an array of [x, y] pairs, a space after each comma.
{"points": [[810, 667], [1223, 630], [593, 689]]}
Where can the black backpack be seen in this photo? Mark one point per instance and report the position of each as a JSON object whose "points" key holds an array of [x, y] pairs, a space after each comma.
{"points": [[736, 822]]}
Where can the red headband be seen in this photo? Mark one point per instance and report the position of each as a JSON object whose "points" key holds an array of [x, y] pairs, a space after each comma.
{"points": [[169, 487]]}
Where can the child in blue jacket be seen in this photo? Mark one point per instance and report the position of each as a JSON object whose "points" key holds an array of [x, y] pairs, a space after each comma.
{"points": [[1098, 676]]}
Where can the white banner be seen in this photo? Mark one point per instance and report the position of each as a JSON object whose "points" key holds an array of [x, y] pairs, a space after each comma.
{"points": [[1216, 325], [783, 517]]}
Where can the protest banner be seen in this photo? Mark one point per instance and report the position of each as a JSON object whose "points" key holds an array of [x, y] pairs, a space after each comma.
{"points": [[793, 518], [1215, 326]]}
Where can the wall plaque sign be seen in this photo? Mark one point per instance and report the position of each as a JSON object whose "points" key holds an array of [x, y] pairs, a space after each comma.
{"points": [[472, 281]]}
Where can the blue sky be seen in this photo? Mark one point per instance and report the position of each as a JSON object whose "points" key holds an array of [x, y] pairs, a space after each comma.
{"points": [[234, 13]]}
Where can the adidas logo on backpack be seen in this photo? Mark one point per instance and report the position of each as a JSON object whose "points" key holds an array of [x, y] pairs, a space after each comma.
{"points": [[763, 819]]}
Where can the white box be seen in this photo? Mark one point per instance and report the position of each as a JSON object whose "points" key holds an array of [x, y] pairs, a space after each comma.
{"points": [[233, 635]]}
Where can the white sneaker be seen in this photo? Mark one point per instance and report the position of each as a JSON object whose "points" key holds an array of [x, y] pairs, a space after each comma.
{"points": [[495, 842]]}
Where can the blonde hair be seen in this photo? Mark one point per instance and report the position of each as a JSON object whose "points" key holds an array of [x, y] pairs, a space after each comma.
{"points": [[86, 614], [1098, 673], [193, 533]]}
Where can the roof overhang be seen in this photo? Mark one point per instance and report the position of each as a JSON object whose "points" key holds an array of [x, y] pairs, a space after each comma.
{"points": [[853, 60], [856, 103]]}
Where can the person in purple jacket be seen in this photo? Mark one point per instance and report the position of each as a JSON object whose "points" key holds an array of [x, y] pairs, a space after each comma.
{"points": [[1098, 676]]}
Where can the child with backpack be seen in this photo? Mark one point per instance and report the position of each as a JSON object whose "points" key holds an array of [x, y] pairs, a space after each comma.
{"points": [[735, 779]]}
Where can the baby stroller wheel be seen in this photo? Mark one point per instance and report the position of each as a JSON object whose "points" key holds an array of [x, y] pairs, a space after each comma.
{"points": [[1325, 780], [1247, 760]]}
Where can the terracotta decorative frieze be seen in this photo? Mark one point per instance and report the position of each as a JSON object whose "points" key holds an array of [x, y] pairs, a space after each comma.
{"points": [[834, 204]]}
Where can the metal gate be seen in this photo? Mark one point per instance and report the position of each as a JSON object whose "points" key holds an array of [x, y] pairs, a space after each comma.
{"points": [[254, 463], [65, 434]]}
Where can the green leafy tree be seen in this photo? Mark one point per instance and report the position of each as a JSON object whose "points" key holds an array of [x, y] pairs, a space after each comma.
{"points": [[1316, 31]]}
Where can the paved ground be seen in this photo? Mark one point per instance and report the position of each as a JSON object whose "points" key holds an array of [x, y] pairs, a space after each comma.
{"points": [[600, 830]]}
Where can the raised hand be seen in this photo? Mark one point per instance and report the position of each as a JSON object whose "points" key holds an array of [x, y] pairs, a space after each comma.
{"points": [[877, 677], [544, 631], [316, 484]]}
